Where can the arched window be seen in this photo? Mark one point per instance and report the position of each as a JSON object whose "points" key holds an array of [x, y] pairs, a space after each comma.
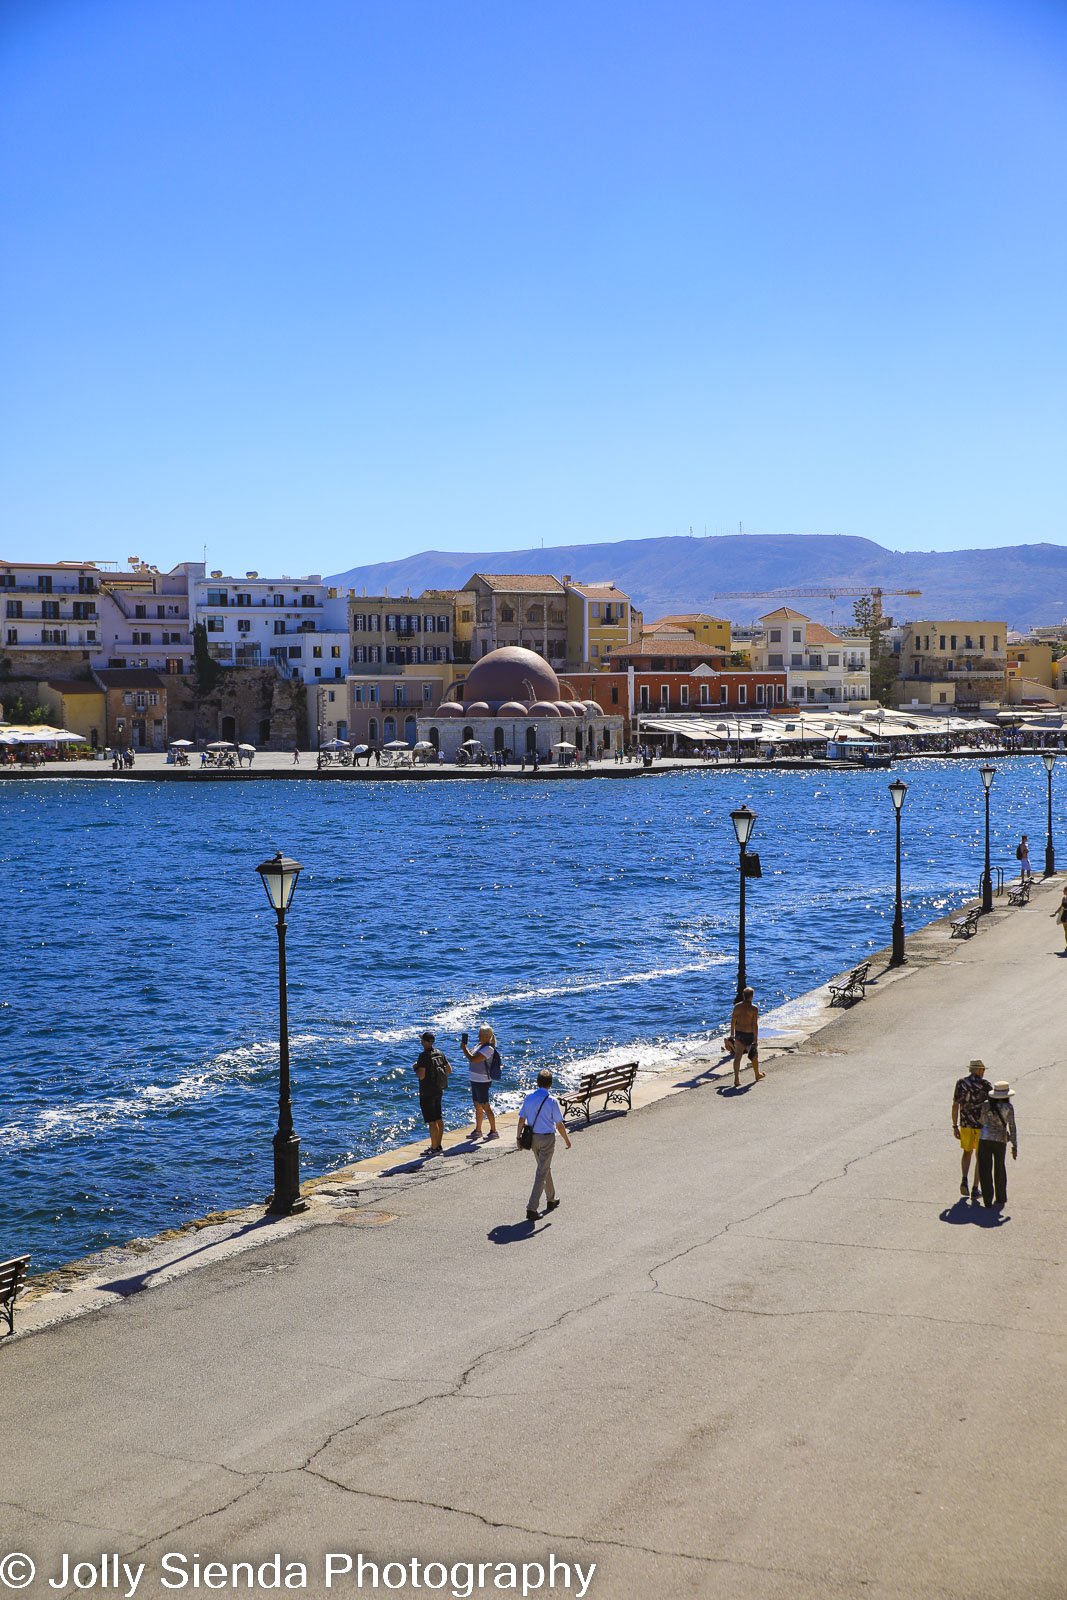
{"points": [[498, 738], [410, 733], [372, 730], [468, 733], [607, 738], [389, 729], [435, 738], [531, 741]]}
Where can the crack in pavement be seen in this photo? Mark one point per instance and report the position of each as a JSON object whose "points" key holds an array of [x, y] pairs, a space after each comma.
{"points": [[895, 1249], [90, 1527], [856, 1311]]}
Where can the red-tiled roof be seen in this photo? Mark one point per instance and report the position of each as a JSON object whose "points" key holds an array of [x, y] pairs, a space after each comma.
{"points": [[817, 634], [521, 582]]}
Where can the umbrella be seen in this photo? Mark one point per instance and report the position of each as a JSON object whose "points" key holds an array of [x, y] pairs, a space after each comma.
{"points": [[471, 744], [331, 744], [564, 744], [424, 744], [181, 744], [52, 736], [397, 744], [249, 749], [220, 744], [361, 749]]}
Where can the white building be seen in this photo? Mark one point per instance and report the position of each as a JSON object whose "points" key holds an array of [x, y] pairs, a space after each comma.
{"points": [[822, 668], [296, 625], [96, 616]]}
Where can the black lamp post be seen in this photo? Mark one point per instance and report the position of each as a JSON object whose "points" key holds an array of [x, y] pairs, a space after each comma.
{"points": [[1049, 758], [743, 820], [279, 880], [987, 775], [898, 789]]}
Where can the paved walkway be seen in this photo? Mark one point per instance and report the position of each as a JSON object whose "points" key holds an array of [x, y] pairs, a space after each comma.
{"points": [[762, 1349]]}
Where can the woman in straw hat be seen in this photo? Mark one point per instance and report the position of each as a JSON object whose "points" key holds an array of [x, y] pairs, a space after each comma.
{"points": [[998, 1126], [1060, 914]]}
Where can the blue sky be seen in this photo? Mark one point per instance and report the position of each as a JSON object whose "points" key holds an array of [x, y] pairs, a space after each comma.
{"points": [[317, 282]]}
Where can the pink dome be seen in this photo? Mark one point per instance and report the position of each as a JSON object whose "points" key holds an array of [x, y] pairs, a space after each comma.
{"points": [[448, 708], [512, 673], [544, 708], [477, 708], [566, 709], [511, 708], [593, 709]]}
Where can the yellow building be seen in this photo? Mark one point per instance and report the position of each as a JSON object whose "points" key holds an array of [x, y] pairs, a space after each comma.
{"points": [[1032, 659], [76, 704], [969, 657], [600, 620], [714, 632]]}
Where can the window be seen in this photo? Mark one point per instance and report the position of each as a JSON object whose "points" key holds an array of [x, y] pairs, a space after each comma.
{"points": [[307, 599], [644, 697], [952, 641], [316, 652], [614, 694], [942, 643], [243, 626], [815, 663], [427, 694], [759, 694], [7, 580], [705, 694], [507, 614], [142, 638], [742, 694], [279, 600], [12, 636], [981, 643], [335, 651], [776, 661], [216, 597], [84, 610], [595, 649], [684, 694], [664, 695], [14, 608], [215, 624], [779, 693], [797, 636], [724, 693], [50, 610], [296, 652], [372, 730], [833, 661], [44, 584], [243, 599], [141, 613], [996, 643], [796, 660], [279, 625], [400, 695], [776, 635]]}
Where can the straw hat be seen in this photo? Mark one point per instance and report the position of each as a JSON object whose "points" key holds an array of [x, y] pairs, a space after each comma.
{"points": [[1001, 1091], [976, 1065]]}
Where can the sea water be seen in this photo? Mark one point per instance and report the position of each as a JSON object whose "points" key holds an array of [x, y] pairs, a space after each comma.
{"points": [[587, 922]]}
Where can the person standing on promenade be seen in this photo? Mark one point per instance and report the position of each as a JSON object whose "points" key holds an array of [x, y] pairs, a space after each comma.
{"points": [[542, 1114], [481, 1060], [1022, 854], [1060, 914], [432, 1069], [998, 1126], [744, 1031], [968, 1099], [296, 755]]}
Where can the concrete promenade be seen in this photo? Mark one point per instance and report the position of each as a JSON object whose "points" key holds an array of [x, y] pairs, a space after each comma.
{"points": [[761, 1350]]}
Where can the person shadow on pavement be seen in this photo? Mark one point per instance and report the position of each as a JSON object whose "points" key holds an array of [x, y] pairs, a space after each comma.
{"points": [[515, 1232], [978, 1216], [728, 1090]]}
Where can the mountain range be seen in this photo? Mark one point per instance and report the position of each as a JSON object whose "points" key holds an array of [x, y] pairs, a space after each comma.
{"points": [[1023, 585]]}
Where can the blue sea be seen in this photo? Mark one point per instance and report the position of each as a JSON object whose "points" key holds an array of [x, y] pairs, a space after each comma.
{"points": [[585, 921]]}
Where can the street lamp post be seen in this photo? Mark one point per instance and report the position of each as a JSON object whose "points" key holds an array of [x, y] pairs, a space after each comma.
{"points": [[279, 877], [1049, 758], [897, 790], [743, 820], [987, 775]]}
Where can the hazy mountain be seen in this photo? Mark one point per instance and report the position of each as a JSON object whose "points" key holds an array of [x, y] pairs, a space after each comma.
{"points": [[1020, 584]]}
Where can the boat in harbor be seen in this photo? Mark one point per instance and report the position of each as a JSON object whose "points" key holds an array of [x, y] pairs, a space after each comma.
{"points": [[859, 750]]}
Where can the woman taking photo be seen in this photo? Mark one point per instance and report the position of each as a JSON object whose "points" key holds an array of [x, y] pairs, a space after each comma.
{"points": [[481, 1060]]}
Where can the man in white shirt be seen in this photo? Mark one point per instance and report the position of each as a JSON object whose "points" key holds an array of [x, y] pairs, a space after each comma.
{"points": [[541, 1113]]}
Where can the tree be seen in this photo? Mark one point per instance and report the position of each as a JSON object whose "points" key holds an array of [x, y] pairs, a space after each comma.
{"points": [[869, 621]]}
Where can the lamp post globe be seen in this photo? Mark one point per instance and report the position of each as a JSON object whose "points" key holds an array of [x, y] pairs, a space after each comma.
{"points": [[897, 790], [743, 820], [1048, 757], [279, 878], [987, 774]]}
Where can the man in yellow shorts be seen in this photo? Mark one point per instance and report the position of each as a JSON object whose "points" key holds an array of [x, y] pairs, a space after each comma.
{"points": [[971, 1094]]}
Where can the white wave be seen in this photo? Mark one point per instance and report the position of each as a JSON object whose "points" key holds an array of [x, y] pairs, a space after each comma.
{"points": [[77, 1118], [463, 1013]]}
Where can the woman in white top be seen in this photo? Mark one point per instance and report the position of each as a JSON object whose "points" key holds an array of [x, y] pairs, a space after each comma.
{"points": [[479, 1060]]}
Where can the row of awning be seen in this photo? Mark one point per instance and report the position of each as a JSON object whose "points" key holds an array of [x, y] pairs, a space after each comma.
{"points": [[822, 728]]}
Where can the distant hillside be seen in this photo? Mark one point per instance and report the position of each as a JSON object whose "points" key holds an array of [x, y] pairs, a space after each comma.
{"points": [[1021, 584]]}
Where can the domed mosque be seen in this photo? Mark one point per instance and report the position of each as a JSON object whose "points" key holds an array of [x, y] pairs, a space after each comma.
{"points": [[512, 701]]}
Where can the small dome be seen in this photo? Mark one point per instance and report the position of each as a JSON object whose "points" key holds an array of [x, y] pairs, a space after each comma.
{"points": [[511, 708], [512, 673], [593, 709], [477, 708], [448, 708], [544, 708], [568, 709]]}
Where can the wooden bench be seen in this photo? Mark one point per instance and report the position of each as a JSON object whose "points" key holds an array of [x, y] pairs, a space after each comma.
{"points": [[853, 988], [1020, 896], [614, 1083], [11, 1276], [967, 925]]}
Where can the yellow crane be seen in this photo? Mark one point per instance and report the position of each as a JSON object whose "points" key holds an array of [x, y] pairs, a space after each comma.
{"points": [[831, 592]]}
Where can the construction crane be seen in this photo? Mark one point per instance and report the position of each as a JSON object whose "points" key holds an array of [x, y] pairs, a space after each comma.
{"points": [[832, 593]]}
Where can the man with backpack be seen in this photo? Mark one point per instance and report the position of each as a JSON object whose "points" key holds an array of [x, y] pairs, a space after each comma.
{"points": [[432, 1070], [540, 1119]]}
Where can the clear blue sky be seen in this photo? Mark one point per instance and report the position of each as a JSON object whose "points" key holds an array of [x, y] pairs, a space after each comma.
{"points": [[317, 282]]}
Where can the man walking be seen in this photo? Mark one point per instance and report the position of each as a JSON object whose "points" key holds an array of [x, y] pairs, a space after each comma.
{"points": [[541, 1113], [432, 1070], [968, 1102]]}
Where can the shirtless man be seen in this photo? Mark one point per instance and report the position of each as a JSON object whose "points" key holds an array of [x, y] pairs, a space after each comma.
{"points": [[744, 1030]]}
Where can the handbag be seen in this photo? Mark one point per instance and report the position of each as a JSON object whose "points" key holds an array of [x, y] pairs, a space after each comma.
{"points": [[527, 1135]]}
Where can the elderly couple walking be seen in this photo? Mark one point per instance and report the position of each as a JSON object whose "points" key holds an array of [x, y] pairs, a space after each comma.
{"points": [[983, 1120]]}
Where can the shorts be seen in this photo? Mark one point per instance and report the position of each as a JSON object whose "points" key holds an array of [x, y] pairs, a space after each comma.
{"points": [[431, 1108], [480, 1093], [969, 1139]]}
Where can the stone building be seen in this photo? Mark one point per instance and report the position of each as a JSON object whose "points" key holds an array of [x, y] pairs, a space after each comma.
{"points": [[512, 700]]}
